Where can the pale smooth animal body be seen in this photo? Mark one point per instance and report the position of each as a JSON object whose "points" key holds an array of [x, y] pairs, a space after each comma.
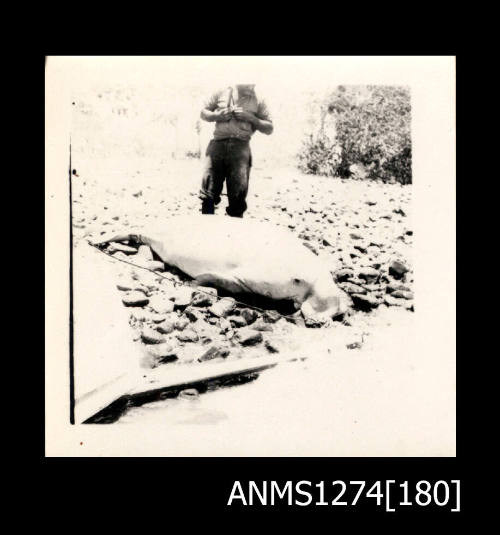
{"points": [[244, 255]]}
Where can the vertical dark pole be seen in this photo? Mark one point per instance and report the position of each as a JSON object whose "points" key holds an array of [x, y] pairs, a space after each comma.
{"points": [[71, 343]]}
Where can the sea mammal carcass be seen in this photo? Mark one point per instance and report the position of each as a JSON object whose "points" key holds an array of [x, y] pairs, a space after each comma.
{"points": [[244, 255]]}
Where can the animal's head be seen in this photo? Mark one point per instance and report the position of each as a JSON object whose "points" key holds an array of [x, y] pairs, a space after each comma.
{"points": [[278, 281], [325, 301]]}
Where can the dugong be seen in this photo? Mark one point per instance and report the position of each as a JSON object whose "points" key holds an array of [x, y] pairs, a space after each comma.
{"points": [[244, 256]]}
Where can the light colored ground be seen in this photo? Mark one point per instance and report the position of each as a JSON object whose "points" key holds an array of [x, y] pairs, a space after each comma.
{"points": [[383, 399]]}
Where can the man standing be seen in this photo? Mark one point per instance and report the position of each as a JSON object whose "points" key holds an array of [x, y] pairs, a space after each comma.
{"points": [[238, 113]]}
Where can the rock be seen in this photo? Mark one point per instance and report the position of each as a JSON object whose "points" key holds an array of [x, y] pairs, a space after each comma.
{"points": [[124, 287], [355, 236], [208, 333], [163, 352], [360, 248], [364, 302], [208, 290], [181, 324], [193, 314], [312, 324], [166, 327], [160, 318], [260, 325], [249, 314], [182, 297], [225, 325], [341, 275], [223, 307], [155, 265], [187, 335], [368, 274], [141, 288], [237, 321], [371, 287], [135, 299], [115, 246], [310, 247], [145, 252], [202, 299], [139, 314], [249, 336], [150, 336], [214, 352], [144, 277], [397, 269], [354, 345], [351, 288], [272, 346], [160, 304], [400, 212], [170, 282], [392, 301], [402, 294], [391, 287]]}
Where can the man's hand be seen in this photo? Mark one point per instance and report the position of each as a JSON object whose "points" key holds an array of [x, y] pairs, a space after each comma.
{"points": [[266, 127], [243, 115], [224, 115], [219, 116]]}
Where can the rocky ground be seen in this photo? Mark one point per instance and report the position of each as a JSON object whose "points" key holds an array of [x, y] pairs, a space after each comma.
{"points": [[361, 229]]}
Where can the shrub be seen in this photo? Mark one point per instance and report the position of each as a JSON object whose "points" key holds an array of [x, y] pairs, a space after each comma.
{"points": [[372, 127], [319, 156]]}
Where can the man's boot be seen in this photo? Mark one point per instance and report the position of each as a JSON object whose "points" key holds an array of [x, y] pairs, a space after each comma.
{"points": [[207, 207]]}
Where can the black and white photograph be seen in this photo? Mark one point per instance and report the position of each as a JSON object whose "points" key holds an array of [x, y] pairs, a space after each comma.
{"points": [[250, 256]]}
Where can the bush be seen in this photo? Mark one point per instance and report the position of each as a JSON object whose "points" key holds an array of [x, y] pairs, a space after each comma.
{"points": [[372, 128], [319, 156]]}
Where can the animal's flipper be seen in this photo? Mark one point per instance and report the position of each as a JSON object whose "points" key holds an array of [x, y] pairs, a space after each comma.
{"points": [[227, 283], [108, 238]]}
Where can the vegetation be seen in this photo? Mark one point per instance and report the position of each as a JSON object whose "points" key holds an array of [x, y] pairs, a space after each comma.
{"points": [[370, 137]]}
